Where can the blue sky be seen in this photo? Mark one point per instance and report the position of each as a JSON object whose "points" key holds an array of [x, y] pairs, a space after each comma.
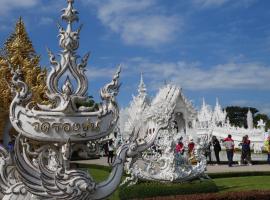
{"points": [[211, 48]]}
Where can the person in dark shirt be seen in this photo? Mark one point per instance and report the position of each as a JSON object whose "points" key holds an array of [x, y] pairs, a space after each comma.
{"points": [[110, 152], [217, 148], [246, 153]]}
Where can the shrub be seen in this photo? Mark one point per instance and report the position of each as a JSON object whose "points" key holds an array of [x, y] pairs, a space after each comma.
{"points": [[144, 190]]}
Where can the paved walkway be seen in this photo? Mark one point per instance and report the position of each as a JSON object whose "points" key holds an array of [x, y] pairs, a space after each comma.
{"points": [[210, 168], [237, 168]]}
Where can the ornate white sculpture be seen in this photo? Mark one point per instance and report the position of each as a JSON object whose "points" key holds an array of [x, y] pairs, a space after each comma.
{"points": [[249, 120], [162, 163], [43, 168], [261, 124]]}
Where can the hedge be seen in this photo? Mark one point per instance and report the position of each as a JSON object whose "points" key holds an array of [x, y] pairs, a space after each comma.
{"points": [[244, 195], [238, 174], [144, 190]]}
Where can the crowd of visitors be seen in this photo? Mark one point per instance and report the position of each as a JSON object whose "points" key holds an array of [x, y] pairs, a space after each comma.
{"points": [[214, 145]]}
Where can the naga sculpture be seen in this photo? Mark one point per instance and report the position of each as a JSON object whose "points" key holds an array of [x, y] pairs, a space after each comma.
{"points": [[161, 163], [39, 167]]}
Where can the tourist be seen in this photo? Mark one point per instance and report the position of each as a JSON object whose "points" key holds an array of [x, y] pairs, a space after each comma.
{"points": [[207, 152], [179, 152], [110, 153], [246, 153], [229, 145], [267, 145], [191, 146], [217, 148], [179, 148], [105, 148]]}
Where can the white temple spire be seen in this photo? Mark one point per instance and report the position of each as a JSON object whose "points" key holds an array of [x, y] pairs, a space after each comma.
{"points": [[142, 88], [217, 102], [203, 102]]}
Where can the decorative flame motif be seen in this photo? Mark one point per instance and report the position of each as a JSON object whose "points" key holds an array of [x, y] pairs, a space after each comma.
{"points": [[69, 42]]}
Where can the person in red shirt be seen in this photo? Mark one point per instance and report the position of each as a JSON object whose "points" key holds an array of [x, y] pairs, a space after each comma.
{"points": [[229, 145], [179, 148]]}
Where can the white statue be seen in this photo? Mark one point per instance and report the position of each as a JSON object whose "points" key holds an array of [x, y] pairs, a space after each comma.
{"points": [[249, 120], [261, 124]]}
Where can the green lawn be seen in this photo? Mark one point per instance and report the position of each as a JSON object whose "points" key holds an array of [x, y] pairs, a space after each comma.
{"points": [[223, 184], [243, 183], [101, 175]]}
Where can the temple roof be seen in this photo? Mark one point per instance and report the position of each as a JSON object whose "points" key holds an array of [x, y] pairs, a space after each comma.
{"points": [[180, 101]]}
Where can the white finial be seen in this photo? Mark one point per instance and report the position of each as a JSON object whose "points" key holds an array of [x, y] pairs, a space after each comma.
{"points": [[142, 88], [203, 102], [217, 102]]}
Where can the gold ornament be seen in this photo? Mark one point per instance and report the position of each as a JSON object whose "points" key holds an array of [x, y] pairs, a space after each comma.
{"points": [[19, 52]]}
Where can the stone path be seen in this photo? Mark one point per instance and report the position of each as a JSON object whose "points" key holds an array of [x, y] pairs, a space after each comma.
{"points": [[210, 168]]}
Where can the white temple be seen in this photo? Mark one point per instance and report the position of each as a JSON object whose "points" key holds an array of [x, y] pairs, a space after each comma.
{"points": [[137, 105], [159, 163], [184, 116], [192, 124], [215, 122]]}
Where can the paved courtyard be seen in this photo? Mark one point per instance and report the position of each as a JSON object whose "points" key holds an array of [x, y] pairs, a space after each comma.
{"points": [[210, 168]]}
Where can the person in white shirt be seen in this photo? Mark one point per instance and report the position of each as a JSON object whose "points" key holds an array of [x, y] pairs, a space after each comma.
{"points": [[111, 150]]}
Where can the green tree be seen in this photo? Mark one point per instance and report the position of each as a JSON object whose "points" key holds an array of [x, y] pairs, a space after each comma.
{"points": [[238, 115]]}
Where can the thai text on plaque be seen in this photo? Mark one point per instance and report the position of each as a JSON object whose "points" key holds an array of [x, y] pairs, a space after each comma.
{"points": [[46, 127]]}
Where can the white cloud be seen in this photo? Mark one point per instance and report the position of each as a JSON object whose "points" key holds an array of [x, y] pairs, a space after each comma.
{"points": [[194, 76], [209, 3], [8, 5], [94, 73], [138, 22], [45, 21], [218, 3]]}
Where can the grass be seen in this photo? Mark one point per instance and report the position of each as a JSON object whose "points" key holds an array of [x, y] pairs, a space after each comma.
{"points": [[100, 174], [243, 183], [221, 183]]}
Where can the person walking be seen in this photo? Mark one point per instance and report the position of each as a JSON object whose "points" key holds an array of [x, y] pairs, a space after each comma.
{"points": [[229, 145], [179, 151], [179, 148], [246, 153], [208, 152], [217, 148], [110, 152]]}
